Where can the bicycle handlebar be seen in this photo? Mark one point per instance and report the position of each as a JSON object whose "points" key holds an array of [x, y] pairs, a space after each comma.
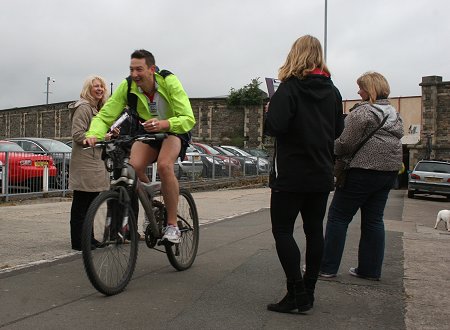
{"points": [[127, 139]]}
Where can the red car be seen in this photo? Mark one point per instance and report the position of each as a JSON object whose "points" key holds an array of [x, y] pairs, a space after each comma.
{"points": [[231, 163], [23, 168]]}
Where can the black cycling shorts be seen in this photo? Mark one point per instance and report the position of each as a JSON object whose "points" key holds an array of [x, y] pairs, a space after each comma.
{"points": [[185, 138]]}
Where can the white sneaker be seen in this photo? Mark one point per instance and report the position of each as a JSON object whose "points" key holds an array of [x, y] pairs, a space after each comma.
{"points": [[172, 234]]}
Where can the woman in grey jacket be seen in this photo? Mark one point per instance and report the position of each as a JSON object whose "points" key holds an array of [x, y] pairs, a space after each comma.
{"points": [[88, 175], [372, 173]]}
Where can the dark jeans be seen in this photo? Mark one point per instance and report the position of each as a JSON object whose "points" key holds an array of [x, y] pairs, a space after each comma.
{"points": [[284, 209], [80, 204], [367, 190]]}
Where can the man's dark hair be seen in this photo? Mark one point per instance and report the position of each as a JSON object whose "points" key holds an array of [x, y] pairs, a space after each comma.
{"points": [[142, 53]]}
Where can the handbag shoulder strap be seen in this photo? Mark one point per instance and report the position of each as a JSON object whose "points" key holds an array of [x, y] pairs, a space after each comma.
{"points": [[369, 136]]}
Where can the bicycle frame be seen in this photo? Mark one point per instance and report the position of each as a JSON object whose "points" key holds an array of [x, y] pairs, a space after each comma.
{"points": [[128, 178], [144, 191]]}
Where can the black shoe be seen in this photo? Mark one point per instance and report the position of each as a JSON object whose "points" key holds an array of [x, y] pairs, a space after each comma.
{"points": [[310, 285], [286, 305], [296, 299]]}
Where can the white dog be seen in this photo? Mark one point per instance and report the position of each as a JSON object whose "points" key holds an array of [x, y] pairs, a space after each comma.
{"points": [[443, 215]]}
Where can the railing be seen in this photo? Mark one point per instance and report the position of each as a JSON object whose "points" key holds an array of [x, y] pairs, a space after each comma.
{"points": [[25, 173]]}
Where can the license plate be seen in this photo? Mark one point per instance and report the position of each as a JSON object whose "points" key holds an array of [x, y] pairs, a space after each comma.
{"points": [[432, 179], [41, 163]]}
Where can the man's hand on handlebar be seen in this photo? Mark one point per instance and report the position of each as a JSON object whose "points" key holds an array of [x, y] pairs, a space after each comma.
{"points": [[90, 141]]}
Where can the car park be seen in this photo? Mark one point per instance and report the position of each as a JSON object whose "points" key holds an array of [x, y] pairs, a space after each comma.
{"points": [[263, 164], [257, 152], [430, 177], [23, 170], [191, 166], [59, 151], [230, 165], [248, 165]]}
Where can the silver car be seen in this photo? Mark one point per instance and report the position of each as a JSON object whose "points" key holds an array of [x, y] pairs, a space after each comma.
{"points": [[430, 177], [191, 165], [263, 164]]}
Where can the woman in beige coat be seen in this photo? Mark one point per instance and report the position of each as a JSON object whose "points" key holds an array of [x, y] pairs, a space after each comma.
{"points": [[88, 176]]}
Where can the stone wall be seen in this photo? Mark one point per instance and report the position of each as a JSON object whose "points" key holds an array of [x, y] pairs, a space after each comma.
{"points": [[36, 121], [216, 122], [434, 136]]}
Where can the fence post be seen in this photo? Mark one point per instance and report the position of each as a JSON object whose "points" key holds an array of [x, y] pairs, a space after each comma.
{"points": [[3, 177], [154, 170], [45, 179]]}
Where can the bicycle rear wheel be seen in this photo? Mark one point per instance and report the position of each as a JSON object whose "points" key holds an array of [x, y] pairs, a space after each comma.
{"points": [[182, 255], [109, 243]]}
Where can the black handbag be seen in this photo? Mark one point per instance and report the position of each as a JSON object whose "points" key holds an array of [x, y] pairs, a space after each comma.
{"points": [[341, 166]]}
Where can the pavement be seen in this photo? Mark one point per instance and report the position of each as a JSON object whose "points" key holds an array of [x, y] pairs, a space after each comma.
{"points": [[236, 273]]}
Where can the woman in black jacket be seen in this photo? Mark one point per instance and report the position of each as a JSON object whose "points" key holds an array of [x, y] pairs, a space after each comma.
{"points": [[305, 116]]}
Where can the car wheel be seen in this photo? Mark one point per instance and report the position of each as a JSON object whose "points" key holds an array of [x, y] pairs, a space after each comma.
{"points": [[410, 194]]}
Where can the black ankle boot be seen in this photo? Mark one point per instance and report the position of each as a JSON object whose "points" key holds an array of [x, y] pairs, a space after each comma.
{"points": [[287, 304], [295, 299], [301, 297], [310, 285]]}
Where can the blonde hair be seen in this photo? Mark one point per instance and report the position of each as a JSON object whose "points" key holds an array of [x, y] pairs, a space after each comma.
{"points": [[86, 91], [305, 56], [375, 84]]}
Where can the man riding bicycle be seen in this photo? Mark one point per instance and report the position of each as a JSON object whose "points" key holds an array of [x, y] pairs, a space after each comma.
{"points": [[162, 106]]}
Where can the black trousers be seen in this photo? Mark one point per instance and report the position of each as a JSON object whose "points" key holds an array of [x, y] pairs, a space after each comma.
{"points": [[80, 204], [284, 209]]}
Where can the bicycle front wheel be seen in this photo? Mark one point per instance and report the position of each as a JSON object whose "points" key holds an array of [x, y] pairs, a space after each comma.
{"points": [[182, 255], [109, 243]]}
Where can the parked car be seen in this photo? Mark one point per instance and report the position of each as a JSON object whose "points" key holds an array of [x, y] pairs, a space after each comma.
{"points": [[430, 177], [263, 164], [191, 165], [59, 151], [231, 164], [24, 169], [257, 152], [248, 165]]}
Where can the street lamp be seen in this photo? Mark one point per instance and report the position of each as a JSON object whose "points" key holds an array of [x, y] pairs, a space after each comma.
{"points": [[48, 87]]}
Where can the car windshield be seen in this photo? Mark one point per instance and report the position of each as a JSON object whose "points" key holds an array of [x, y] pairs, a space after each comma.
{"points": [[256, 152], [224, 151], [433, 167], [191, 149], [211, 150], [238, 152], [55, 146], [10, 147]]}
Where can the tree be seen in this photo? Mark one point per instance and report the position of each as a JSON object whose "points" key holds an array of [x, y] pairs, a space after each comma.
{"points": [[248, 95]]}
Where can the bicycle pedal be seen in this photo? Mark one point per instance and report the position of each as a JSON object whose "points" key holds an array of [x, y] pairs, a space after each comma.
{"points": [[165, 242]]}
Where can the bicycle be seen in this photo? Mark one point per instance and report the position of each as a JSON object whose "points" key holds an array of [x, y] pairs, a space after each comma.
{"points": [[110, 236]]}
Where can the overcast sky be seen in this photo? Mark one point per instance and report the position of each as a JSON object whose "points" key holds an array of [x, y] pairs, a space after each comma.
{"points": [[214, 45]]}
